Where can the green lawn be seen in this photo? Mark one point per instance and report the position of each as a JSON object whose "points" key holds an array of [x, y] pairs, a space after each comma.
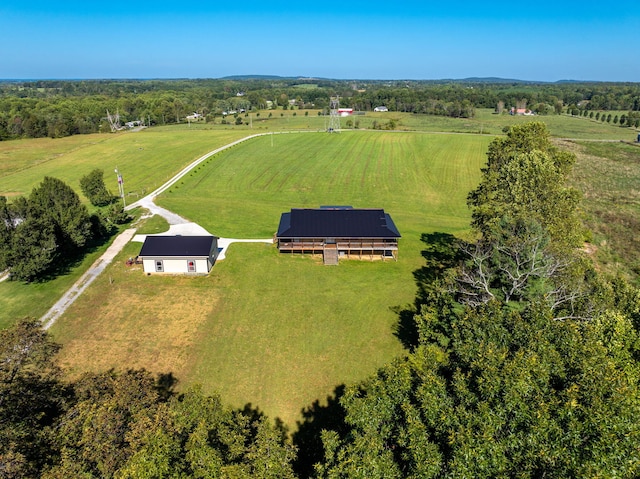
{"points": [[275, 330], [280, 331]]}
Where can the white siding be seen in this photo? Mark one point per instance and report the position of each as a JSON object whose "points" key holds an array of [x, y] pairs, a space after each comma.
{"points": [[149, 265], [176, 265]]}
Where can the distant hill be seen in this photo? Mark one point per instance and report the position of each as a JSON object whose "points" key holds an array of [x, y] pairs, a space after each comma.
{"points": [[486, 80]]}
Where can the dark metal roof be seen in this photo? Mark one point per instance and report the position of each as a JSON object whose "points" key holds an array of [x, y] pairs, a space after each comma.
{"points": [[337, 222], [191, 246]]}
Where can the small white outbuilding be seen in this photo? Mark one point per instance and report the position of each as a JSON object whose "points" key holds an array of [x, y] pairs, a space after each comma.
{"points": [[179, 254]]}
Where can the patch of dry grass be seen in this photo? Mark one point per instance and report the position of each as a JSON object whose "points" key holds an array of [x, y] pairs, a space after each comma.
{"points": [[608, 174], [108, 333]]}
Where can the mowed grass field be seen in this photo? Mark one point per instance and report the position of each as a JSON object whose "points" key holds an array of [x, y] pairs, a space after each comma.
{"points": [[279, 331], [146, 159], [274, 330]]}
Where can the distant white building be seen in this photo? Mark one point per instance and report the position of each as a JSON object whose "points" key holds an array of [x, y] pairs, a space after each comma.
{"points": [[345, 111], [381, 108]]}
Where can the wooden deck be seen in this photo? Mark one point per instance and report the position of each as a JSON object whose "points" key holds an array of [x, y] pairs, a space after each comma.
{"points": [[349, 248]]}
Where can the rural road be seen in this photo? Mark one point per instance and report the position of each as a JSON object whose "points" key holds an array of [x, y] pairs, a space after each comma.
{"points": [[178, 225]]}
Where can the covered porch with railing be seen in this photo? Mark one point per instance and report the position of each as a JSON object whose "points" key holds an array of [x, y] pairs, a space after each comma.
{"points": [[348, 248]]}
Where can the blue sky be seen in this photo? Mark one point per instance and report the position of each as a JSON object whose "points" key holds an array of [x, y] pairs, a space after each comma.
{"points": [[542, 40]]}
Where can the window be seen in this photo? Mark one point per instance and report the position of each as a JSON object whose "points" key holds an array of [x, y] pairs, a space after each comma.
{"points": [[159, 266], [191, 266]]}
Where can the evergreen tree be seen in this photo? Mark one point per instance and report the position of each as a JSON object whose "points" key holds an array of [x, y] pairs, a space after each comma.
{"points": [[55, 200], [94, 189]]}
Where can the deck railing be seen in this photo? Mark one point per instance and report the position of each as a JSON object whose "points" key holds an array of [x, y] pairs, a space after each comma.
{"points": [[342, 245]]}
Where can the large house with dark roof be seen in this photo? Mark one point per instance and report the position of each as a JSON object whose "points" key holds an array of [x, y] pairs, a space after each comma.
{"points": [[338, 231], [179, 254]]}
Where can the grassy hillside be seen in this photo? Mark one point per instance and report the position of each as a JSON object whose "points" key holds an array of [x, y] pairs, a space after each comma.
{"points": [[146, 158]]}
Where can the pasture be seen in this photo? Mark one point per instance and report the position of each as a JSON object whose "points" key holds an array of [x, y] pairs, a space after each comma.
{"points": [[280, 331], [275, 330], [146, 159]]}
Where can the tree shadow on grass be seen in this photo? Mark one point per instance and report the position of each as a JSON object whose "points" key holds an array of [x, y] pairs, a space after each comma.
{"points": [[165, 385], [441, 253], [308, 439], [255, 415]]}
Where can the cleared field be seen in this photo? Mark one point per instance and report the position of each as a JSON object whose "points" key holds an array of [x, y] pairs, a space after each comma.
{"points": [[421, 179], [274, 330], [280, 331], [146, 158]]}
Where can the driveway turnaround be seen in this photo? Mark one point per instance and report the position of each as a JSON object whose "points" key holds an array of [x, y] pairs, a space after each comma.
{"points": [[178, 225]]}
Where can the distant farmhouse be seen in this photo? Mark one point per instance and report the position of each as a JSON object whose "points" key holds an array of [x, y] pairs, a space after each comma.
{"points": [[345, 111], [179, 254], [338, 232], [521, 111], [381, 108]]}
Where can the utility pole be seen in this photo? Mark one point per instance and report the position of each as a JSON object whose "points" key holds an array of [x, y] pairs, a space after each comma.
{"points": [[121, 187]]}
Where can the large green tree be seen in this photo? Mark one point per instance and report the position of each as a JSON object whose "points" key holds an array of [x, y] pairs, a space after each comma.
{"points": [[93, 187], [124, 426], [56, 200], [41, 231], [498, 393], [526, 176], [31, 397], [33, 248], [528, 228]]}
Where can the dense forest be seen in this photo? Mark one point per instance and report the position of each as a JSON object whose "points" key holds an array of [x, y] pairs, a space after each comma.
{"points": [[522, 360], [33, 109]]}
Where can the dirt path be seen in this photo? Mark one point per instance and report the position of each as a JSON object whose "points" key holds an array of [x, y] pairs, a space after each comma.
{"points": [[86, 279]]}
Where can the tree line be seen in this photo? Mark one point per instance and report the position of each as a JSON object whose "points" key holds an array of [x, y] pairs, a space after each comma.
{"points": [[43, 233], [522, 361], [62, 108]]}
